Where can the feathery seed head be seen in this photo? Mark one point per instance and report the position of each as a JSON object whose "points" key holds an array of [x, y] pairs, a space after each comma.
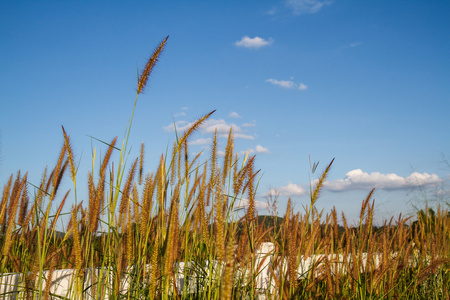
{"points": [[149, 66]]}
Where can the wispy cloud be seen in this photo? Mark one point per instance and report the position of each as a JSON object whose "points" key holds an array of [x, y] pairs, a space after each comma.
{"points": [[222, 127], [221, 153], [357, 179], [302, 86], [261, 149], [249, 124], [210, 126], [244, 203], [254, 43], [244, 136], [356, 44], [258, 149], [181, 114], [300, 7], [349, 46], [272, 11], [201, 141], [234, 114], [290, 190], [179, 125], [287, 84]]}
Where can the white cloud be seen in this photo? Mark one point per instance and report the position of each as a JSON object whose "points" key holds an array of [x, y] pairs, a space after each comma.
{"points": [[244, 203], [355, 44], [287, 84], [254, 43], [442, 192], [290, 190], [181, 114], [261, 149], [201, 142], [351, 45], [244, 136], [357, 179], [222, 127], [272, 11], [234, 114], [300, 7], [258, 149], [179, 125], [302, 86], [249, 124], [210, 126]]}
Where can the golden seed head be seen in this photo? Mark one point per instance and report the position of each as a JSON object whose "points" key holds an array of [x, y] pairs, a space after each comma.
{"points": [[149, 66]]}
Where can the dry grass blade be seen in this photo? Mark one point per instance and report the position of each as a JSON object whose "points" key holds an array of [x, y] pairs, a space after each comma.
{"points": [[92, 194], [149, 187], [193, 128], [141, 164], [56, 171], [73, 170], [160, 177], [4, 203], [213, 167], [186, 160], [228, 156], [250, 190], [49, 279], [7, 242], [319, 184], [219, 220], [154, 267], [23, 210], [58, 212], [126, 192], [201, 205], [107, 158], [226, 289], [97, 203]]}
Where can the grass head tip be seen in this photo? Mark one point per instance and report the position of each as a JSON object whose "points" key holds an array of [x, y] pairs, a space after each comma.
{"points": [[149, 66]]}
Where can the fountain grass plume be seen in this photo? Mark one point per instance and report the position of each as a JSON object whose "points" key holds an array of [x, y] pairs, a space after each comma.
{"points": [[142, 82]]}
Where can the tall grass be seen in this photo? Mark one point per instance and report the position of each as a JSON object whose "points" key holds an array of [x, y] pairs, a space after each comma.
{"points": [[146, 228]]}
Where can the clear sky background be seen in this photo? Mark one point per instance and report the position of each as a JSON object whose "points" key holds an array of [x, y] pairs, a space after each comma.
{"points": [[365, 82]]}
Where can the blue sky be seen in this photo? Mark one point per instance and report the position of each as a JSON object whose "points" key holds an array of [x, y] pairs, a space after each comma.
{"points": [[364, 82]]}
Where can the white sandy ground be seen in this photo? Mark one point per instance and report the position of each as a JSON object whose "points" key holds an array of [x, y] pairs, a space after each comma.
{"points": [[12, 285]]}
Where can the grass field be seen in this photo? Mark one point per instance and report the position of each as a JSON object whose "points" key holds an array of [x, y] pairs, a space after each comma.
{"points": [[187, 211]]}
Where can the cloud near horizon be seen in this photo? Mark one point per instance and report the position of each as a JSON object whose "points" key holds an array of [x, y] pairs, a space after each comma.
{"points": [[287, 84], [357, 179], [290, 190], [244, 203], [253, 43]]}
